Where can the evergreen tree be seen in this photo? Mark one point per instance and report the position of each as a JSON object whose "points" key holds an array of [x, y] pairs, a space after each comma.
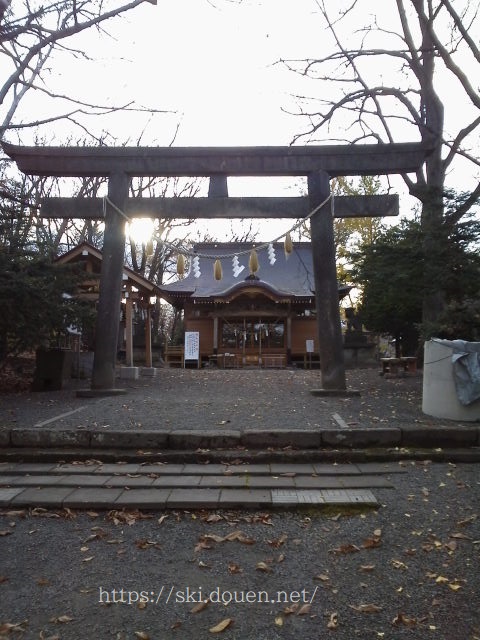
{"points": [[34, 291], [391, 273]]}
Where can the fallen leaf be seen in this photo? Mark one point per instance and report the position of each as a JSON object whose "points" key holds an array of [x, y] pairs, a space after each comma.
{"points": [[441, 580], [398, 564], [239, 536], [142, 635], [233, 567], [221, 626], [304, 609], [366, 608], [277, 542], [20, 513], [62, 619], [367, 567], [5, 532], [162, 518], [290, 609], [333, 621], [460, 536], [323, 577], [146, 544], [233, 536], [454, 587], [279, 621], [214, 517], [262, 566], [43, 582], [346, 548], [200, 606], [6, 627], [401, 618], [213, 537], [371, 543]]}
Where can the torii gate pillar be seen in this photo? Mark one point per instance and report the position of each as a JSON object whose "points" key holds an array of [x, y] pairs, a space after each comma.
{"points": [[329, 331], [109, 304]]}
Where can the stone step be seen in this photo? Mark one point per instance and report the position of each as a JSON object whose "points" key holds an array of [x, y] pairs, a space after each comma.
{"points": [[159, 486], [203, 469], [327, 437]]}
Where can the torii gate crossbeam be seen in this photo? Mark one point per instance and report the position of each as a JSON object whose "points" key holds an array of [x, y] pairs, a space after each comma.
{"points": [[318, 163]]}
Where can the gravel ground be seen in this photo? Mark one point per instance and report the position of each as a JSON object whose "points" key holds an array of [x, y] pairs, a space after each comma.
{"points": [[407, 570], [235, 399]]}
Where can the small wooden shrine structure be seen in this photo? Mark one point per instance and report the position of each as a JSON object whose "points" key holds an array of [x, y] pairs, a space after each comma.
{"points": [[136, 292]]}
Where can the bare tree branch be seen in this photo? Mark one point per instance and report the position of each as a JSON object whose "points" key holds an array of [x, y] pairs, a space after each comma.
{"points": [[361, 106], [72, 17], [446, 57]]}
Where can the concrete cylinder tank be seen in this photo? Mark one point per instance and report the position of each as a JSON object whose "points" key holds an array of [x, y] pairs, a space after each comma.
{"points": [[440, 394]]}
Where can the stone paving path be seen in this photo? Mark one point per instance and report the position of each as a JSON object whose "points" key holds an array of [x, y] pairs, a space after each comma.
{"points": [[100, 485]]}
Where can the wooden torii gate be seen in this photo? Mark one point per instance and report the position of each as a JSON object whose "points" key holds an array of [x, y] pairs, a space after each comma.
{"points": [[318, 163]]}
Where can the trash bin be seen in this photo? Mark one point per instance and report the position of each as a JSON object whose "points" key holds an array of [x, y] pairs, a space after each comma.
{"points": [[451, 379]]}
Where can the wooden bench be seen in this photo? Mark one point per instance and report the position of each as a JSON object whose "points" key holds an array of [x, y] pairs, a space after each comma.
{"points": [[396, 366], [251, 361], [174, 355], [227, 360], [274, 361]]}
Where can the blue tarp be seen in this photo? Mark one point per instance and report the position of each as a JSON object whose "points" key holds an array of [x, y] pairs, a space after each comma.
{"points": [[466, 369]]}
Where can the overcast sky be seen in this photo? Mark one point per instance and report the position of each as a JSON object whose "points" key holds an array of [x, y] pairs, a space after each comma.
{"points": [[214, 65]]}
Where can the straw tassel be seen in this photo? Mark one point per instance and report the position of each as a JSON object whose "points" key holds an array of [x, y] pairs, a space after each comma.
{"points": [[253, 262], [217, 270], [180, 264], [288, 245]]}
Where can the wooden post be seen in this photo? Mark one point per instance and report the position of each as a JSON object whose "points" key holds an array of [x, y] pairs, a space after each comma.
{"points": [[289, 339], [326, 289], [108, 312], [129, 328], [215, 335], [148, 337]]}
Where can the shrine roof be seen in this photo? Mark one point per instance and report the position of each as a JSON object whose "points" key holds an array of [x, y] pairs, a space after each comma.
{"points": [[86, 250], [288, 277]]}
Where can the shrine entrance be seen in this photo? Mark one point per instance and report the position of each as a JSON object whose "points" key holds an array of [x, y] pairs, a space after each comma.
{"points": [[318, 163]]}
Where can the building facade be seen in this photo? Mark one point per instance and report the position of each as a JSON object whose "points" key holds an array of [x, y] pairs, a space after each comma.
{"points": [[266, 318]]}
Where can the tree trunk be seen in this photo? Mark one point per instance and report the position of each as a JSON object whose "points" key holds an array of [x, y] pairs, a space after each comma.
{"points": [[431, 192]]}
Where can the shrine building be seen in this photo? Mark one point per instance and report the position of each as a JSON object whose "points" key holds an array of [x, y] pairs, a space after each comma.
{"points": [[266, 318]]}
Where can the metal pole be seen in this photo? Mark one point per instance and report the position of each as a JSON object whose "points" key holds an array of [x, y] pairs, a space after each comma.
{"points": [[326, 288]]}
